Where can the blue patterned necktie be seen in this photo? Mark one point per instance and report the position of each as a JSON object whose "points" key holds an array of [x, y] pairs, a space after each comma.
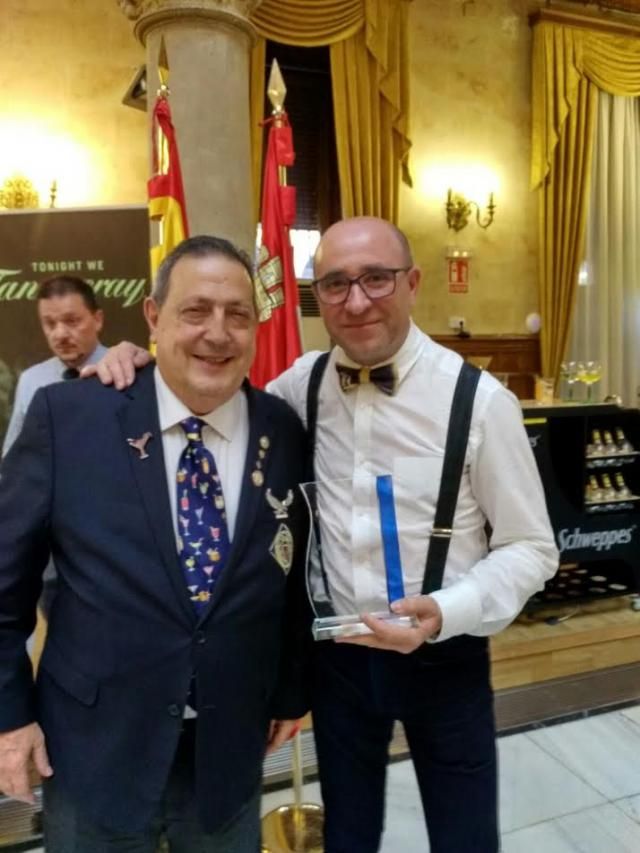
{"points": [[203, 541]]}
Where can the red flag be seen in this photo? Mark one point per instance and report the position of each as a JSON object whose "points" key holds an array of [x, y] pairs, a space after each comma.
{"points": [[276, 288], [166, 194]]}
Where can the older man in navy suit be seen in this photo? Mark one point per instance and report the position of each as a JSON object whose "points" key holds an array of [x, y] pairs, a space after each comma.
{"points": [[172, 661]]}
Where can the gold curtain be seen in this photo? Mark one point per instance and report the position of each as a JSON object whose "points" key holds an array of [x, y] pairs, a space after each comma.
{"points": [[309, 24], [570, 64], [369, 78]]}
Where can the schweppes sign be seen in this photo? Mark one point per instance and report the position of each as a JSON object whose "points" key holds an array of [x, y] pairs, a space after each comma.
{"points": [[596, 540]]}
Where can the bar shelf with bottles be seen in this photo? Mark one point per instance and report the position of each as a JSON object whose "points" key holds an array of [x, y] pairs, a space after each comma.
{"points": [[588, 456]]}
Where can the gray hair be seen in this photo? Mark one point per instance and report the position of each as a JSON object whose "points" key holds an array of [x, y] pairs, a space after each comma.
{"points": [[197, 247]]}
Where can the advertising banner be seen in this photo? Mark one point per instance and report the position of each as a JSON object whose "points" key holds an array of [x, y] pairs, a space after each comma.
{"points": [[108, 247]]}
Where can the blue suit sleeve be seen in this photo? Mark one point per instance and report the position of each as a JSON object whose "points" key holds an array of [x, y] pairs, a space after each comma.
{"points": [[26, 485]]}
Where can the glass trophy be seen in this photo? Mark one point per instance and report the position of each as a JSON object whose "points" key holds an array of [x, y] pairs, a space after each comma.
{"points": [[354, 563]]}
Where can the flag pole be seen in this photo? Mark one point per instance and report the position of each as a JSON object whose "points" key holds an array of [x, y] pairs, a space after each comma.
{"points": [[167, 205], [296, 827], [161, 160], [277, 92], [276, 287]]}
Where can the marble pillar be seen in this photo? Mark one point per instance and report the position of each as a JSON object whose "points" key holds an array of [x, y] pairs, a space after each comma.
{"points": [[208, 46]]}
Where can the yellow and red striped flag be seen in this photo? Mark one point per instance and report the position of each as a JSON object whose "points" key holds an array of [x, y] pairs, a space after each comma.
{"points": [[166, 194]]}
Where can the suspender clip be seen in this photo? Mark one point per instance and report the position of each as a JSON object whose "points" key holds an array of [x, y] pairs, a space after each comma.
{"points": [[442, 532]]}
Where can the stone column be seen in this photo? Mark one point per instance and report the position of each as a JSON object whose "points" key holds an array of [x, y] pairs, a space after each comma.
{"points": [[208, 46]]}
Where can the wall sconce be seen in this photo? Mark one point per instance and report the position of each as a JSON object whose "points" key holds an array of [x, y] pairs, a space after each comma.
{"points": [[459, 210], [136, 94]]}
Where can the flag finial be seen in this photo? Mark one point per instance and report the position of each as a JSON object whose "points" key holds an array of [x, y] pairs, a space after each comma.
{"points": [[163, 69], [276, 89]]}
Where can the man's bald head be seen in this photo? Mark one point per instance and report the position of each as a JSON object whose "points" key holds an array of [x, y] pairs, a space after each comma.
{"points": [[355, 228], [361, 258]]}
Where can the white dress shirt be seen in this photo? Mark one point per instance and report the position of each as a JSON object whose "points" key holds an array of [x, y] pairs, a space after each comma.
{"points": [[35, 377], [364, 433], [226, 436]]}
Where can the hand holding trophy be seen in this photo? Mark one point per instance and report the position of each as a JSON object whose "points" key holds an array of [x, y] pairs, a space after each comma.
{"points": [[426, 621], [354, 566]]}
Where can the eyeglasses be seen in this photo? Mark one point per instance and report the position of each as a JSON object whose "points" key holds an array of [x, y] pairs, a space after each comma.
{"points": [[375, 284]]}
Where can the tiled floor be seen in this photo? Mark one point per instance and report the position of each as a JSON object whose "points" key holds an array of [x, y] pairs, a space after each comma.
{"points": [[570, 788]]}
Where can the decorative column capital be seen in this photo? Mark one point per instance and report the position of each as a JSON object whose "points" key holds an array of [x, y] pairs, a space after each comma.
{"points": [[150, 14]]}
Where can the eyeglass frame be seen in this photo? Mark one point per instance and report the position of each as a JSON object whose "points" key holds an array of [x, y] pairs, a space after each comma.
{"points": [[357, 280]]}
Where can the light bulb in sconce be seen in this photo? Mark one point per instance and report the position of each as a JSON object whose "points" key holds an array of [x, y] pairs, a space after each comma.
{"points": [[533, 322]]}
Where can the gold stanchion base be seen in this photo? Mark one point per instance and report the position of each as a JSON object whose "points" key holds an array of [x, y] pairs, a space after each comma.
{"points": [[293, 829]]}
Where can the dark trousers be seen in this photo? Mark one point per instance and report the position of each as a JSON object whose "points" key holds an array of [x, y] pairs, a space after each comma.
{"points": [[67, 830], [442, 695]]}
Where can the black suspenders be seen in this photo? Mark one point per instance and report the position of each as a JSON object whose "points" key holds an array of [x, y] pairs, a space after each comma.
{"points": [[315, 378], [454, 454]]}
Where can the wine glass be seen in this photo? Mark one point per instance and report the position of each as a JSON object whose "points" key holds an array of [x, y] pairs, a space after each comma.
{"points": [[590, 372], [569, 376]]}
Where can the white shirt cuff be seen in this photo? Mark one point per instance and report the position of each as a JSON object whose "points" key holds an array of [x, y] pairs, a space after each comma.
{"points": [[461, 608]]}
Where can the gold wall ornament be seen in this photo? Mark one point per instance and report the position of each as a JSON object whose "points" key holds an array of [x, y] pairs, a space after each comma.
{"points": [[459, 209], [131, 8], [18, 192]]}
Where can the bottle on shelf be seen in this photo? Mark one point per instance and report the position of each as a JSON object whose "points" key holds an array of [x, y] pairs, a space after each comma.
{"points": [[596, 448], [593, 492], [610, 447], [624, 445], [621, 487], [608, 492]]}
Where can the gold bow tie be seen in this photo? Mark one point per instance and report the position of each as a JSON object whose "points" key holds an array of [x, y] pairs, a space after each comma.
{"points": [[382, 377]]}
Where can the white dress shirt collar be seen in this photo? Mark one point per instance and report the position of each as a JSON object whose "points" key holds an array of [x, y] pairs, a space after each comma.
{"points": [[403, 360], [171, 410]]}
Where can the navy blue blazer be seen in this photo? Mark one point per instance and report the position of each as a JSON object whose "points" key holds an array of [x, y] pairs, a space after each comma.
{"points": [[123, 639]]}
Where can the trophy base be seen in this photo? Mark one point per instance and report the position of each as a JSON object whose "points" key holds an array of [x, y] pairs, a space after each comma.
{"points": [[330, 627]]}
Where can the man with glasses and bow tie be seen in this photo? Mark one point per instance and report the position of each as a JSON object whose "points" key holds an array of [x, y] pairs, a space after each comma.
{"points": [[174, 655], [381, 402]]}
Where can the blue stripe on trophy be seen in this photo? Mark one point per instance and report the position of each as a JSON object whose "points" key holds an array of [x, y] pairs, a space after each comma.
{"points": [[390, 543]]}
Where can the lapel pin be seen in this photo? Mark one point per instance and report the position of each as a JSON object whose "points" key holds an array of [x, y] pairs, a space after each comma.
{"points": [[140, 444], [279, 507], [282, 548]]}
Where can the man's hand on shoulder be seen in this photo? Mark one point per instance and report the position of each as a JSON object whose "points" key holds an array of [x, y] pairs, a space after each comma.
{"points": [[18, 749], [118, 367], [398, 638]]}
